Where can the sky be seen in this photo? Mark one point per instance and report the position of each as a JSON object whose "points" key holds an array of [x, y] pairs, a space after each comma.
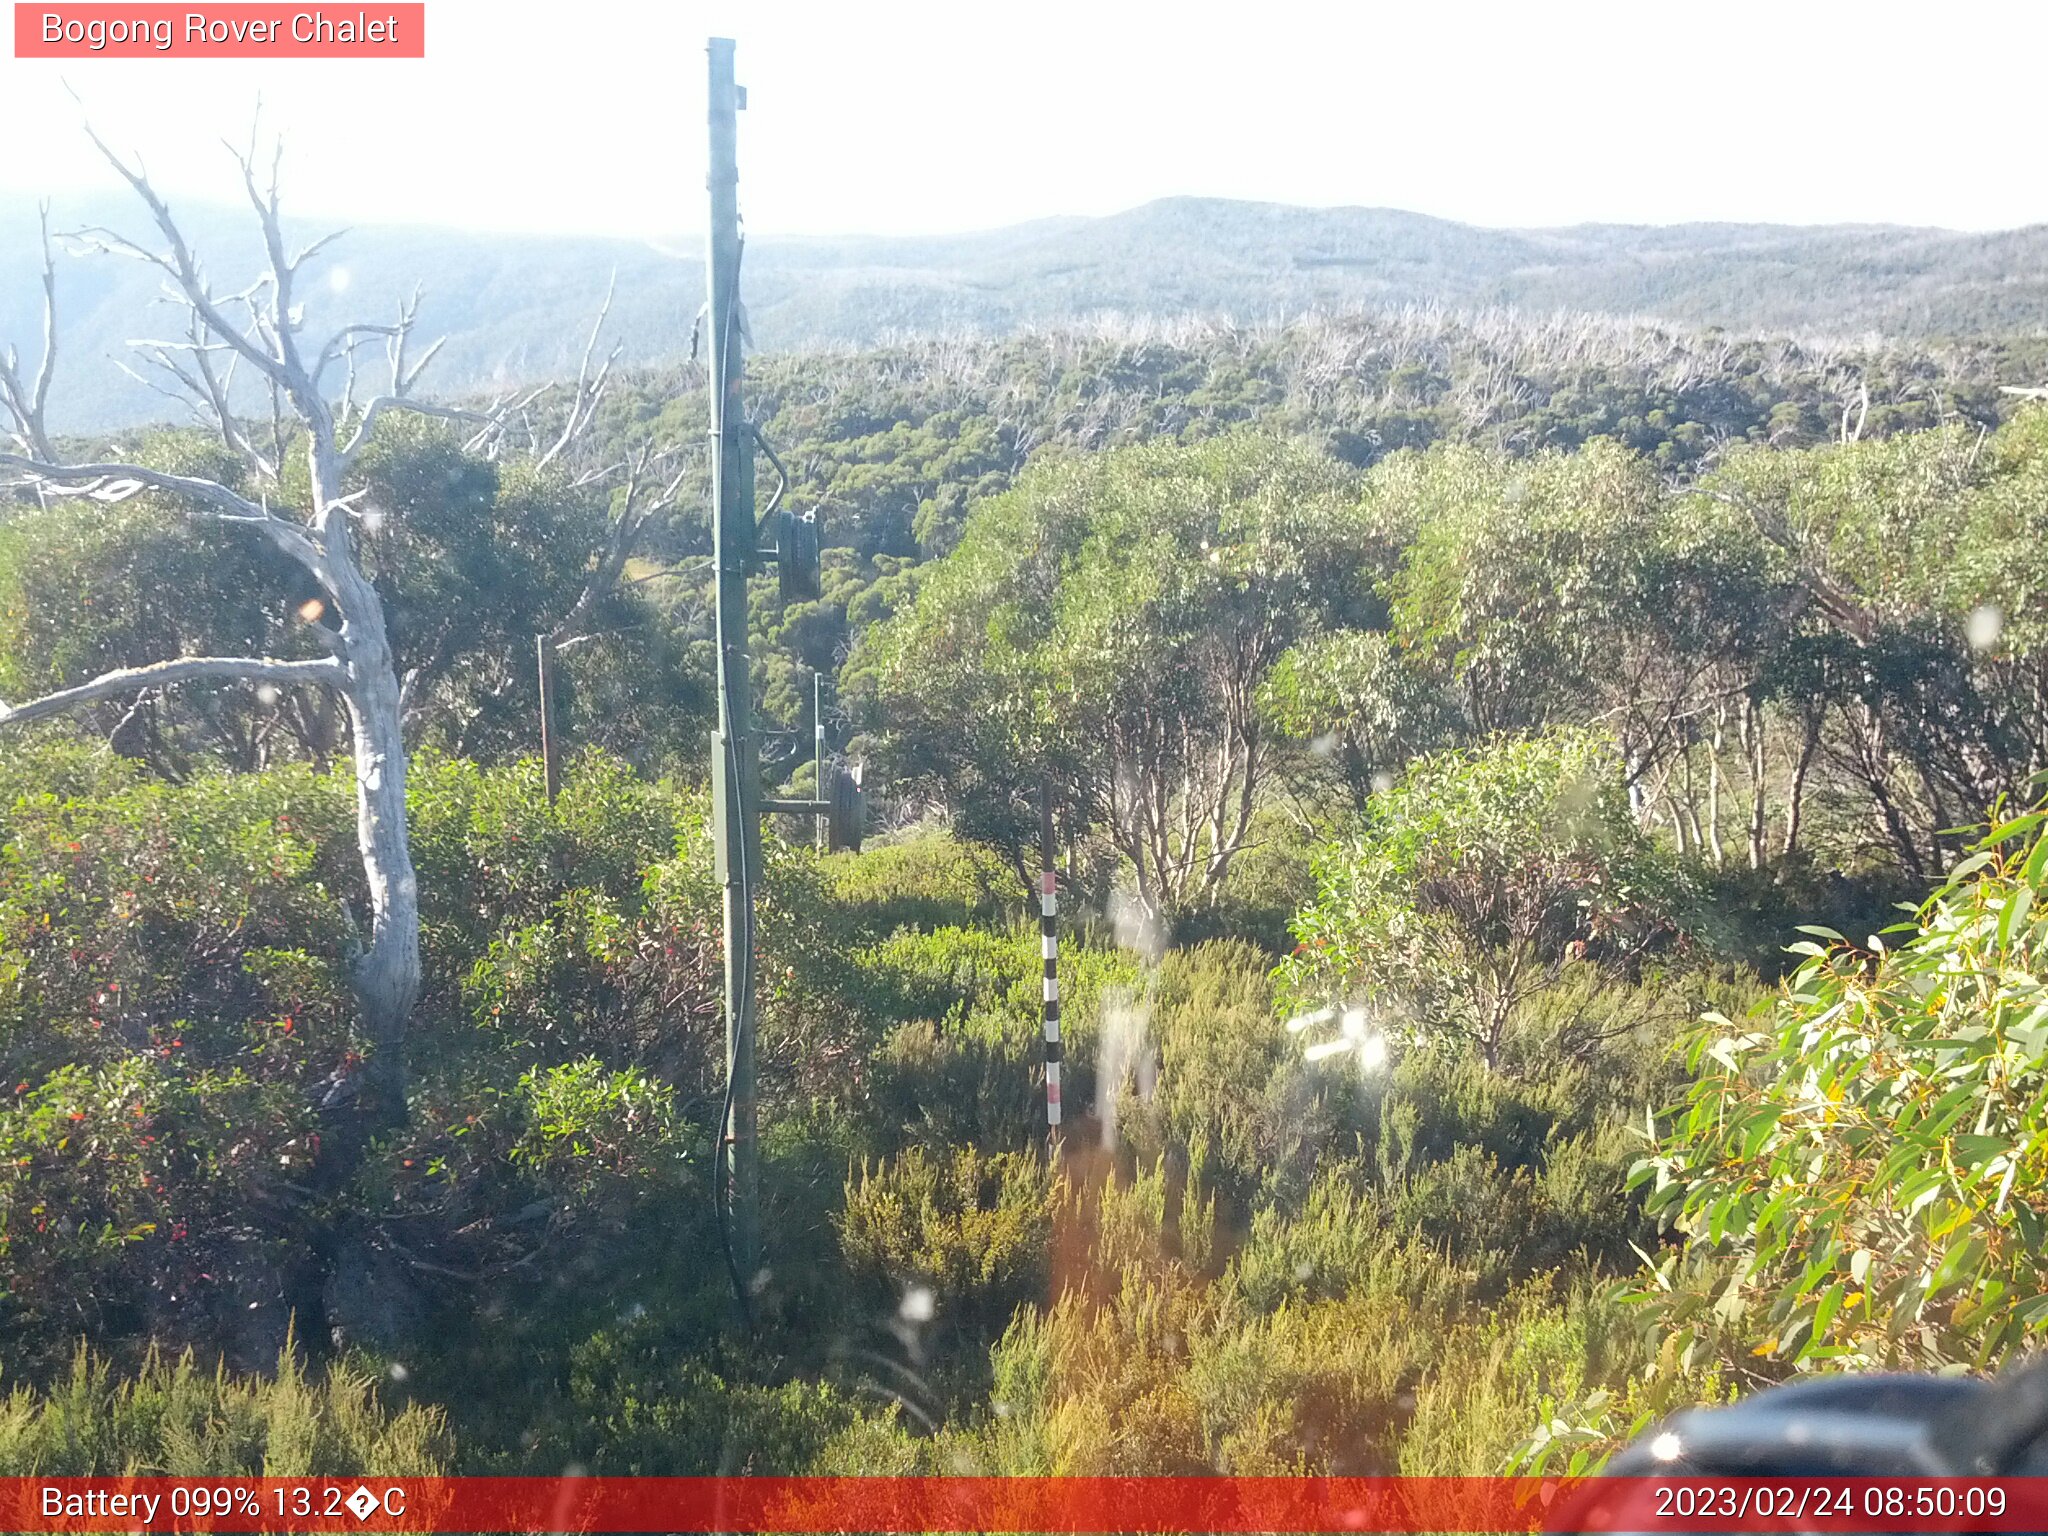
{"points": [[586, 116]]}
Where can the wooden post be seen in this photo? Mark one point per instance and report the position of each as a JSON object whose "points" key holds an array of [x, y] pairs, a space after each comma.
{"points": [[550, 737], [818, 750]]}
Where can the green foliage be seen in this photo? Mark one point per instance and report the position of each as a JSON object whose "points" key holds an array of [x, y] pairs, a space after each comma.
{"points": [[85, 589], [171, 977], [1476, 884], [960, 1010], [1109, 622], [1339, 1244], [1913, 666], [967, 1078], [173, 1004], [171, 1419], [631, 1408], [963, 1239], [930, 880], [586, 1127], [471, 561], [1353, 697], [1219, 1054], [1538, 584], [1224, 1305], [1857, 1171]]}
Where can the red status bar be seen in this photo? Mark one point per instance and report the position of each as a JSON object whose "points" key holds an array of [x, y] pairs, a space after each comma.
{"points": [[1033, 1504]]}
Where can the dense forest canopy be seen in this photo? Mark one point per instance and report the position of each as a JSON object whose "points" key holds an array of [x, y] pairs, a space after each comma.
{"points": [[1450, 720]]}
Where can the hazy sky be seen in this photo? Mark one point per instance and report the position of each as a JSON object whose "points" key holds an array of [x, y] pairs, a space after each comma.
{"points": [[587, 115]]}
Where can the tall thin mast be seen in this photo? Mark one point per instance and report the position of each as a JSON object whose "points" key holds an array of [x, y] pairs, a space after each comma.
{"points": [[736, 769]]}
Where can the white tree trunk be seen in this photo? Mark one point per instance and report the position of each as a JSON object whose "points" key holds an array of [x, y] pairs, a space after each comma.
{"points": [[387, 973]]}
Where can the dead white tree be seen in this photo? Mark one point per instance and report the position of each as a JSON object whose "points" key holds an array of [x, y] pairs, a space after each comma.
{"points": [[257, 331], [27, 402]]}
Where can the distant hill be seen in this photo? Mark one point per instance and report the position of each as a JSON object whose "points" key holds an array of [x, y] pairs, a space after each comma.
{"points": [[516, 307]]}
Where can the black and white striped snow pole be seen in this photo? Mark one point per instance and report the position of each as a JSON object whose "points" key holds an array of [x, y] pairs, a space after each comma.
{"points": [[1049, 946]]}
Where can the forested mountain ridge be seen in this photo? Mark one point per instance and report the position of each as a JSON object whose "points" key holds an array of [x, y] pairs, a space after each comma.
{"points": [[516, 307]]}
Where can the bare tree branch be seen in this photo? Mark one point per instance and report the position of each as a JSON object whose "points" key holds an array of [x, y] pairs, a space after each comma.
{"points": [[206, 392], [378, 405], [161, 674], [180, 265], [28, 405], [117, 482], [284, 316], [490, 424], [626, 527], [589, 390], [113, 483], [309, 252], [343, 343]]}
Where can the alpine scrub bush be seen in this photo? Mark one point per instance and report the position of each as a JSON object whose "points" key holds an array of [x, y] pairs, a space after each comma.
{"points": [[1502, 1371], [171, 978], [955, 1017], [972, 1230], [929, 880], [126, 1198], [174, 1010], [596, 1138], [629, 1405], [1859, 1174], [961, 1081], [170, 1418], [1146, 1363], [1477, 883]]}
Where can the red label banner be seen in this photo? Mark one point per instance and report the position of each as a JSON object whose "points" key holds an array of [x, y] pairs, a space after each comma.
{"points": [[220, 31]]}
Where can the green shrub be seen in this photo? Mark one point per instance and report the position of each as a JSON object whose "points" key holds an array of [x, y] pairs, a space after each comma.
{"points": [[1858, 1170], [1556, 1345], [961, 1082], [171, 979], [126, 1197], [916, 975], [971, 1230], [596, 1137], [171, 1419], [929, 880], [1479, 881], [1342, 1244], [1220, 1051], [1142, 1367], [975, 1000], [173, 994]]}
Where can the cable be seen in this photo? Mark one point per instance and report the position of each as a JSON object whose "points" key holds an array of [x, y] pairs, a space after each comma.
{"points": [[781, 474], [721, 1211]]}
